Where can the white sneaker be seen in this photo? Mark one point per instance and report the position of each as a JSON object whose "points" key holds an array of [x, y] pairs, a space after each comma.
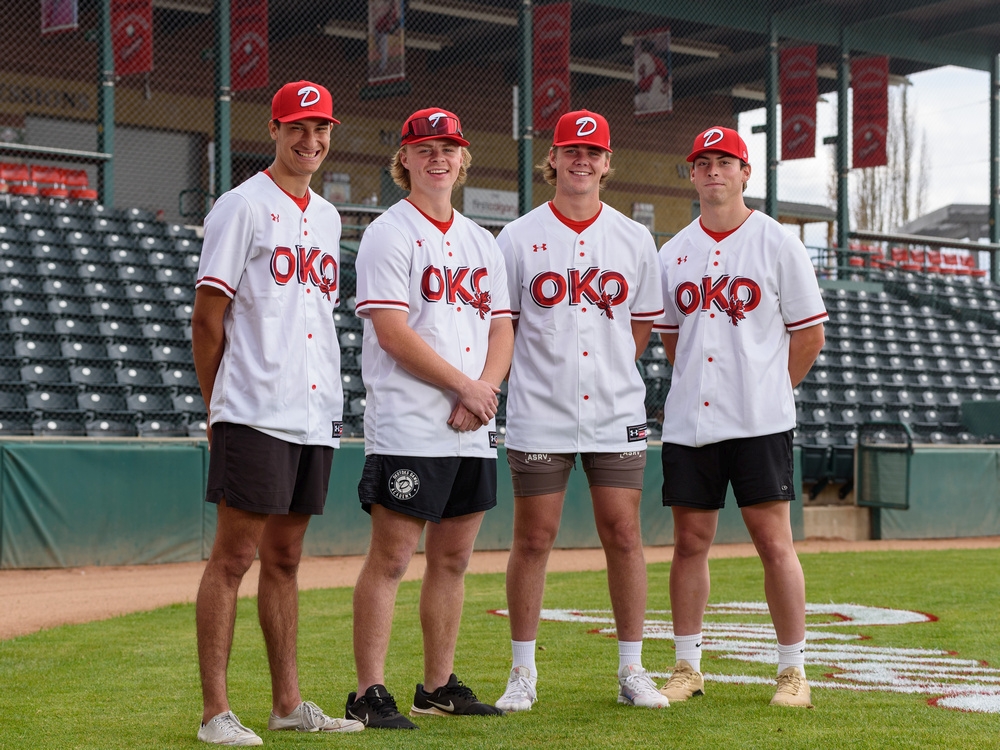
{"points": [[638, 689], [225, 729], [520, 693], [308, 717]]}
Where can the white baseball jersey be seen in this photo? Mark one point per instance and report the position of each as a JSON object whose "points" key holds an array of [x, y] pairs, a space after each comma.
{"points": [[732, 304], [574, 385], [451, 286], [280, 370]]}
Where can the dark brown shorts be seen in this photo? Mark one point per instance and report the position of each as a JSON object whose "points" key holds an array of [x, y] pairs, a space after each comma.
{"points": [[262, 474], [548, 473]]}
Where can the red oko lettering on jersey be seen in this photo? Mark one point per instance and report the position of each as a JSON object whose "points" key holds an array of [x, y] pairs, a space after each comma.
{"points": [[456, 285], [738, 295], [308, 265], [550, 288]]}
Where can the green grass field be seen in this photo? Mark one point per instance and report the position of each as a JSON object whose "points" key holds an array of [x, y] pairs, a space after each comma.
{"points": [[132, 682]]}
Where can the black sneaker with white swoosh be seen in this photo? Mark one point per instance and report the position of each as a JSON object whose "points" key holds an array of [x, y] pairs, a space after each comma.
{"points": [[453, 699], [376, 709]]}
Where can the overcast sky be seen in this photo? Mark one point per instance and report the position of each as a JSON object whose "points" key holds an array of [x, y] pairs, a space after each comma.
{"points": [[952, 106]]}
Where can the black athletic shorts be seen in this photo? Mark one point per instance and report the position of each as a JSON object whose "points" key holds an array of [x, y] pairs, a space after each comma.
{"points": [[429, 488], [263, 474], [760, 469]]}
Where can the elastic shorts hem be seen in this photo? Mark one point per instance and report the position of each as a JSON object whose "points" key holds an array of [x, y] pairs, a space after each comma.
{"points": [[233, 500]]}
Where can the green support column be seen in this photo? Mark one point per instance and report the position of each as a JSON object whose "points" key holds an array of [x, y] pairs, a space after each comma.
{"points": [[771, 103], [106, 106], [525, 143], [843, 199], [995, 164], [223, 103]]}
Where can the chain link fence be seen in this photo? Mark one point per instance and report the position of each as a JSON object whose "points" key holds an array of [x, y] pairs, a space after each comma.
{"points": [[658, 79]]}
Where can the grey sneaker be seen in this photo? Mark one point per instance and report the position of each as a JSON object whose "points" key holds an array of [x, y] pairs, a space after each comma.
{"points": [[308, 717], [225, 729], [521, 691], [636, 688]]}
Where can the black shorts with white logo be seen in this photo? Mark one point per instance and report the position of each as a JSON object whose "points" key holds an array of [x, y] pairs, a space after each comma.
{"points": [[429, 488], [263, 474], [760, 469]]}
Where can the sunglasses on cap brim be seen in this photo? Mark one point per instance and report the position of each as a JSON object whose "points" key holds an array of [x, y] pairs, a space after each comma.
{"points": [[440, 126]]}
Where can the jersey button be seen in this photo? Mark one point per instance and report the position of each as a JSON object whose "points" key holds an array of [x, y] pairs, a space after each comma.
{"points": [[583, 309], [581, 242], [314, 388], [468, 349], [706, 403], [710, 359], [586, 397], [585, 354], [309, 336]]}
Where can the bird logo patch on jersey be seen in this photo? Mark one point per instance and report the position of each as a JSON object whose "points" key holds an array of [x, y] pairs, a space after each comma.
{"points": [[404, 484], [734, 296]]}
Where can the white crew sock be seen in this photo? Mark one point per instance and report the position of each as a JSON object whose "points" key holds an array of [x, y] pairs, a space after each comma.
{"points": [[524, 655], [792, 656], [629, 652], [688, 648]]}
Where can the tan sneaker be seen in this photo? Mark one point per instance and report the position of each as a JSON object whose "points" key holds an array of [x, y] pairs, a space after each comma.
{"points": [[684, 683], [793, 690]]}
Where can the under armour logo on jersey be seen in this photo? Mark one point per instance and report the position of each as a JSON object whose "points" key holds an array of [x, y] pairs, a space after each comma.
{"points": [[275, 217], [734, 296], [682, 260], [587, 126], [536, 248], [420, 243], [712, 137], [310, 96]]}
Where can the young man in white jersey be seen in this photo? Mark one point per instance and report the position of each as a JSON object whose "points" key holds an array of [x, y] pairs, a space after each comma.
{"points": [[268, 363], [743, 324], [584, 291], [437, 344]]}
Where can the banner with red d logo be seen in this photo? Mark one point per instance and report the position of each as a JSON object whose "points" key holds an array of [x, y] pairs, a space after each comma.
{"points": [[550, 27], [132, 36], [870, 82], [798, 91], [248, 44]]}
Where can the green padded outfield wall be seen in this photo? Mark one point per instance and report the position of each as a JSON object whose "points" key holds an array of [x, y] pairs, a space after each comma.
{"points": [[68, 503]]}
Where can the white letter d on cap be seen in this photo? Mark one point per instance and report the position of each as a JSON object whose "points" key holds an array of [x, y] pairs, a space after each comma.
{"points": [[587, 126], [713, 136], [310, 96]]}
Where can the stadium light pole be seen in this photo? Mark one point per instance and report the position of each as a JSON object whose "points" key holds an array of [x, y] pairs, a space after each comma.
{"points": [[223, 100], [106, 107], [995, 165], [843, 199], [525, 144], [771, 104]]}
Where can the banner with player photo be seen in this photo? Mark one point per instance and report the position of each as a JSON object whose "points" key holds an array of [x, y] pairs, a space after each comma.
{"points": [[132, 36], [386, 37], [60, 15], [870, 82], [653, 79], [248, 60], [798, 91], [550, 30]]}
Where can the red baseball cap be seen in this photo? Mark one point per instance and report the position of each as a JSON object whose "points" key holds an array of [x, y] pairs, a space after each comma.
{"points": [[427, 124], [300, 100], [726, 140], [583, 127]]}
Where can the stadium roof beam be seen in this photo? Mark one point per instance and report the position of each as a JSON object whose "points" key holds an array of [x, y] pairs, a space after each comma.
{"points": [[467, 11], [352, 30]]}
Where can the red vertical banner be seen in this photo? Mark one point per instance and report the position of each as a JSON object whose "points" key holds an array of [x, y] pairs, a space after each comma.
{"points": [[248, 44], [798, 92], [550, 26], [870, 81], [60, 15], [386, 41], [653, 92], [132, 36]]}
